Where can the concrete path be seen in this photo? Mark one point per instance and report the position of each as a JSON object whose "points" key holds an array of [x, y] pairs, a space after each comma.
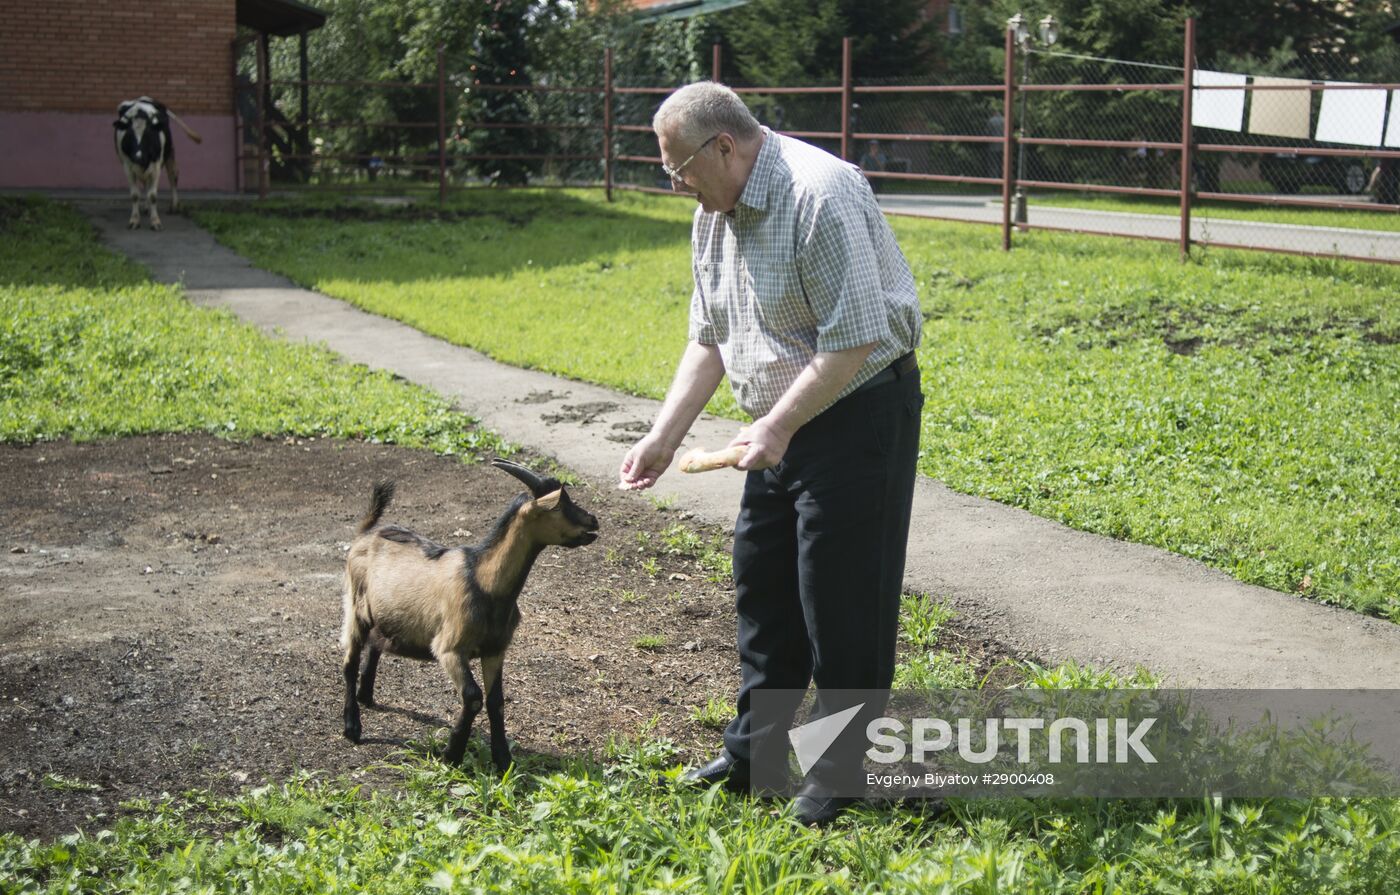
{"points": [[1042, 589], [1207, 228]]}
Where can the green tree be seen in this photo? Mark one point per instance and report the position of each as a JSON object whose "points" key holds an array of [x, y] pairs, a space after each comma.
{"points": [[795, 42], [501, 57], [374, 40]]}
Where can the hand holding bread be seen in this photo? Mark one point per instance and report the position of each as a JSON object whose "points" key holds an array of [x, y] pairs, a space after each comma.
{"points": [[696, 460]]}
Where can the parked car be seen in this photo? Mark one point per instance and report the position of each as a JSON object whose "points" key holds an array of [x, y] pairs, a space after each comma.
{"points": [[1289, 173]]}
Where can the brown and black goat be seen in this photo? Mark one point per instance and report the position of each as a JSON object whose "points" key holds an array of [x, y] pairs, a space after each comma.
{"points": [[408, 596]]}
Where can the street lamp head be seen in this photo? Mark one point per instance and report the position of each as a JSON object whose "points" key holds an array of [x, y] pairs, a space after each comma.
{"points": [[1049, 31], [1020, 29]]}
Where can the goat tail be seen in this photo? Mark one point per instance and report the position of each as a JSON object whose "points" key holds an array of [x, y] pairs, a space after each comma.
{"points": [[383, 493], [184, 127]]}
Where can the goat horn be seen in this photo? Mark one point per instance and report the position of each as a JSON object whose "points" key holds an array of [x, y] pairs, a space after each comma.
{"points": [[529, 477]]}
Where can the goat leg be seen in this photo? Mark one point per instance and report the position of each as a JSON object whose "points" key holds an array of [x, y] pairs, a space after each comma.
{"points": [[461, 674], [369, 671], [352, 709], [495, 710], [352, 640]]}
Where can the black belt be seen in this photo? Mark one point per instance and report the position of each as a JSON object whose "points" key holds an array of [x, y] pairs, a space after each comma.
{"points": [[898, 370]]}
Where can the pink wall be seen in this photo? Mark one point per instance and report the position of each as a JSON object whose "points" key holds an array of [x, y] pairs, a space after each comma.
{"points": [[77, 150]]}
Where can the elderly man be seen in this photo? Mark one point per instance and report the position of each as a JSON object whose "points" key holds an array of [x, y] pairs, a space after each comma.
{"points": [[803, 298]]}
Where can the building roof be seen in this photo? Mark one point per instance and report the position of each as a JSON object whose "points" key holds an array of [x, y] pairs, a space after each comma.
{"points": [[279, 17], [682, 9]]}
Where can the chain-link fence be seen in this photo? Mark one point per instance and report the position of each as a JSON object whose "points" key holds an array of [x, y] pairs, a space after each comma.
{"points": [[1291, 161]]}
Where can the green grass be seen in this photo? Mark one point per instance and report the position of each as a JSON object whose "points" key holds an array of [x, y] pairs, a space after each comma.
{"points": [[575, 826], [1237, 409], [1360, 219], [925, 667], [528, 277], [89, 348], [715, 714], [618, 823]]}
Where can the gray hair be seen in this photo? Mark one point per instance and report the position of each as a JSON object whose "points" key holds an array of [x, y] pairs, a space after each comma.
{"points": [[698, 111]]}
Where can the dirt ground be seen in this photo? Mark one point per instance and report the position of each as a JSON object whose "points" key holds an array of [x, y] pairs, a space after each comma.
{"points": [[169, 611]]}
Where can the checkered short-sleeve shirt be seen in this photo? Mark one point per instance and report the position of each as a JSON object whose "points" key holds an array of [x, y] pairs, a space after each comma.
{"points": [[805, 263]]}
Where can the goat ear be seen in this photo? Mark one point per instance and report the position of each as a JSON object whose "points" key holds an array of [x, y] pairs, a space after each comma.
{"points": [[551, 500]]}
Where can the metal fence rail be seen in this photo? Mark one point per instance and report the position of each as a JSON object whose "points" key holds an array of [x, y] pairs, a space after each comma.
{"points": [[1130, 134]]}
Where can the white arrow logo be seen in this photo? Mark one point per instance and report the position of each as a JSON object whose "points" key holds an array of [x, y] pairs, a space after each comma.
{"points": [[810, 741]]}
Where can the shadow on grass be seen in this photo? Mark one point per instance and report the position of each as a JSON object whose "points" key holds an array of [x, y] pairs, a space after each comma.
{"points": [[480, 233], [45, 243]]}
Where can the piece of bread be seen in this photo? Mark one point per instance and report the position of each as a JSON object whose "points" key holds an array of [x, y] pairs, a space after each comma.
{"points": [[696, 460]]}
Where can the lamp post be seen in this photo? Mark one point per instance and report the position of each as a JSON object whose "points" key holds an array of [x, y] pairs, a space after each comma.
{"points": [[1049, 32]]}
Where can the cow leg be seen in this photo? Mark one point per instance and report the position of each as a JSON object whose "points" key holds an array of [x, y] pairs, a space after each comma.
{"points": [[134, 222], [151, 200], [455, 664], [172, 170], [495, 710]]}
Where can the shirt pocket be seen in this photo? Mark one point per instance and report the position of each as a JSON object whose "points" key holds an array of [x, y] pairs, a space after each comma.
{"points": [[779, 301]]}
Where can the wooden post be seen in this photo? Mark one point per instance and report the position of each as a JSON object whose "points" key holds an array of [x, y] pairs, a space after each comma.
{"points": [[1187, 153], [264, 162], [846, 98], [442, 127], [714, 62], [1008, 102], [607, 123]]}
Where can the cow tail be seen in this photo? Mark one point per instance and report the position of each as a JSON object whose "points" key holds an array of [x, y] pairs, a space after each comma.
{"points": [[184, 127]]}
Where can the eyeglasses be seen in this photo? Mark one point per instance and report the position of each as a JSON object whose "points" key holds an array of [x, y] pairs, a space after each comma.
{"points": [[675, 173]]}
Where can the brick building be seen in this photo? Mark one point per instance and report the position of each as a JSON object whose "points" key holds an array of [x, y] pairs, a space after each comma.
{"points": [[65, 65]]}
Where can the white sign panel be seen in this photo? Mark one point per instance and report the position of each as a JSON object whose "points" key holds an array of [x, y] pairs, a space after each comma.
{"points": [[1220, 109], [1354, 117]]}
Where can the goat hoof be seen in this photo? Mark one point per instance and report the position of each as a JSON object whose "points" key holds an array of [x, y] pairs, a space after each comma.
{"points": [[352, 733], [133, 225], [155, 225], [366, 701], [502, 763]]}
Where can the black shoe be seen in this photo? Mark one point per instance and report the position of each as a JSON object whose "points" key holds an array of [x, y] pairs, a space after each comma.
{"points": [[733, 773], [816, 806]]}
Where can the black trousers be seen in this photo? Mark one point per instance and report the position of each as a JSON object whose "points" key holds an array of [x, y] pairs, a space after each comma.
{"points": [[819, 549]]}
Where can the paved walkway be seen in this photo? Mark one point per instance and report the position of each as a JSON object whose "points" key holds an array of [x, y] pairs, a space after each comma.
{"points": [[1206, 227], [1041, 588]]}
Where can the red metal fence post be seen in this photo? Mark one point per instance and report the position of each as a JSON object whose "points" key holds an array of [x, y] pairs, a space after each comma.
{"points": [[608, 122], [714, 62], [442, 128], [264, 163], [1008, 102], [846, 98], [1187, 154]]}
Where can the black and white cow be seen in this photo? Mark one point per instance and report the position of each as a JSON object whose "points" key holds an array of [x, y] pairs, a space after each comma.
{"points": [[144, 147]]}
